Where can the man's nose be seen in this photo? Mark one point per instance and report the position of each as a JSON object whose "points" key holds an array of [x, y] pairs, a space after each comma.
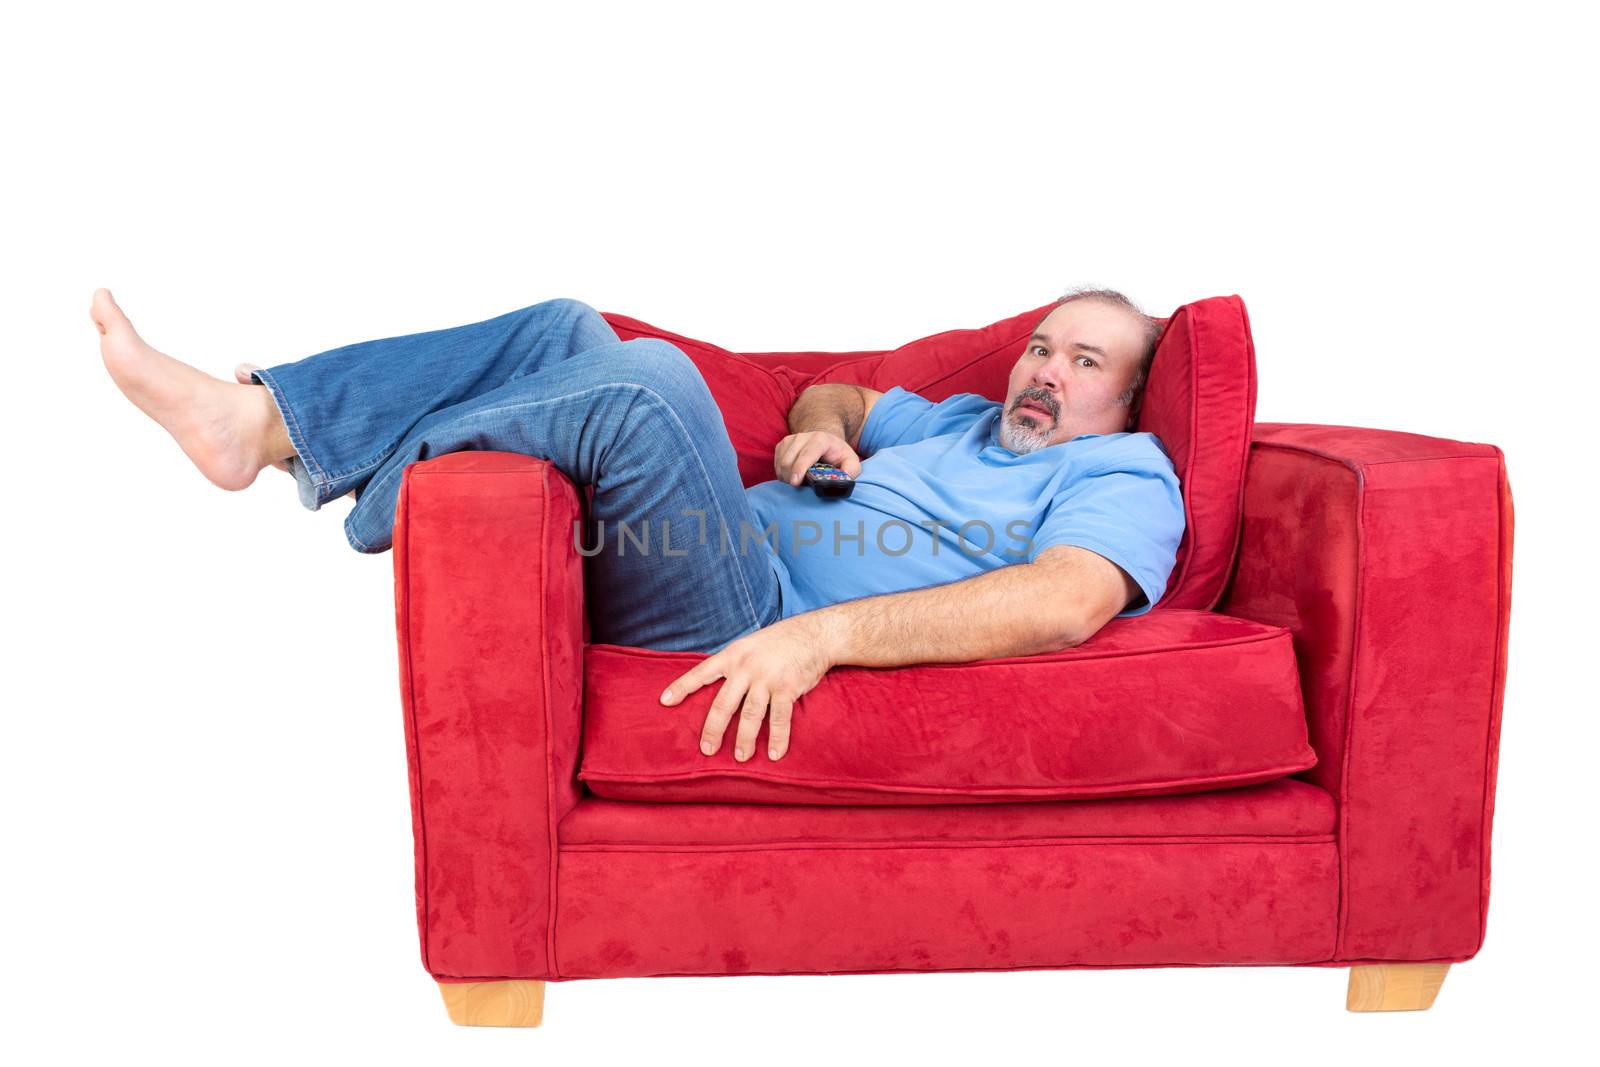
{"points": [[1048, 375]]}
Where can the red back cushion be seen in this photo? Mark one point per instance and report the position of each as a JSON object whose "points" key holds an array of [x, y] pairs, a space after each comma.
{"points": [[944, 364], [1200, 401]]}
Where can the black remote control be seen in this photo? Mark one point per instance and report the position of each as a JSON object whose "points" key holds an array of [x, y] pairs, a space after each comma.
{"points": [[825, 479]]}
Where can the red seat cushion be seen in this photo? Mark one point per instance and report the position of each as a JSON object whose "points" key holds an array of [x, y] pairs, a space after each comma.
{"points": [[1286, 807], [1200, 401], [1175, 701]]}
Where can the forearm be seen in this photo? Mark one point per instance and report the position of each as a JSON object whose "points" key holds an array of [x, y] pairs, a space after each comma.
{"points": [[835, 409], [1004, 612]]}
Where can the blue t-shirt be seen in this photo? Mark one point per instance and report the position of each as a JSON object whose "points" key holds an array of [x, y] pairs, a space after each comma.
{"points": [[940, 499]]}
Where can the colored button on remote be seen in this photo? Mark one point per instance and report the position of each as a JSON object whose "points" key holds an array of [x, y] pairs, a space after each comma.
{"points": [[827, 480]]}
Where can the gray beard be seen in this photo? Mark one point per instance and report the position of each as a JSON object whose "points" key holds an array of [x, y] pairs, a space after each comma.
{"points": [[1020, 438]]}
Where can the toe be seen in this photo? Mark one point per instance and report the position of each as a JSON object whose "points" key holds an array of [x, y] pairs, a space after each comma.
{"points": [[107, 315], [241, 373], [96, 314]]}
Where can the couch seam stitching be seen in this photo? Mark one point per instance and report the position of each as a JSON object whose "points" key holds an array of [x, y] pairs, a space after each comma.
{"points": [[1320, 962], [1359, 464], [1453, 458], [1226, 642], [549, 732], [879, 846], [1246, 445], [1502, 625], [740, 775], [422, 821], [1176, 585], [1347, 756]]}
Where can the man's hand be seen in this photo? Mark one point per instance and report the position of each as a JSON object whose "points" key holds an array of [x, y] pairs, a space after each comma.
{"points": [[772, 667], [796, 453]]}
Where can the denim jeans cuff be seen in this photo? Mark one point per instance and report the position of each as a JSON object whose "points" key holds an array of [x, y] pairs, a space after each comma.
{"points": [[303, 484], [306, 482]]}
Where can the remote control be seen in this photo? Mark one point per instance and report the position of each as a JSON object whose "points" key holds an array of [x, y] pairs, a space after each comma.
{"points": [[825, 479]]}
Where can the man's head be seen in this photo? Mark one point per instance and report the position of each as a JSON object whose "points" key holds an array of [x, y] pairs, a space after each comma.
{"points": [[1082, 371]]}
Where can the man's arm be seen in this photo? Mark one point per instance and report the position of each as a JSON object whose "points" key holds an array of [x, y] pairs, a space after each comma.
{"points": [[824, 425], [839, 409], [1059, 600]]}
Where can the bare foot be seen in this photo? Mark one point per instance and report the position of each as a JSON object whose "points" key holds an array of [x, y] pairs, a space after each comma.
{"points": [[225, 429], [241, 374]]}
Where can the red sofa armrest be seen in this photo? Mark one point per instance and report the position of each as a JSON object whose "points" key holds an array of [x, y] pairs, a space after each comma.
{"points": [[489, 612], [1388, 556]]}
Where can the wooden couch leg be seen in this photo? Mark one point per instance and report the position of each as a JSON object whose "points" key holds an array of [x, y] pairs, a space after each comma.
{"points": [[1394, 986], [519, 1003]]}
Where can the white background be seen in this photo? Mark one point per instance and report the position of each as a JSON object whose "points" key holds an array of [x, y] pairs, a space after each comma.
{"points": [[207, 845]]}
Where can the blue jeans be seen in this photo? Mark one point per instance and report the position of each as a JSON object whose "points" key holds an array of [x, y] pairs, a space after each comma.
{"points": [[634, 419]]}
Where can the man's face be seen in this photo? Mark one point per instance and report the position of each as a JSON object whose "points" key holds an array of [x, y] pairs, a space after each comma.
{"points": [[1072, 375]]}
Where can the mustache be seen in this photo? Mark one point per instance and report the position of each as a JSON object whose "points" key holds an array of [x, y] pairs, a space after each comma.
{"points": [[1040, 397]]}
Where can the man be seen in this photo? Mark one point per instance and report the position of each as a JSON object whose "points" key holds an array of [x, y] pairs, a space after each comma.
{"points": [[977, 528]]}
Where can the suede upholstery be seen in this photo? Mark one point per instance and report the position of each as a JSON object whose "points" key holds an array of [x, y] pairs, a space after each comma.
{"points": [[1383, 557], [488, 599], [1388, 555], [1169, 702]]}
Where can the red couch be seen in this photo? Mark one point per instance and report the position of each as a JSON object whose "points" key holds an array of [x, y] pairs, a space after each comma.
{"points": [[1289, 761]]}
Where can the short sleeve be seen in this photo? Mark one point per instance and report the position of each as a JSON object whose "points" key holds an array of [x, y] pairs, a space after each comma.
{"points": [[899, 417], [1132, 517]]}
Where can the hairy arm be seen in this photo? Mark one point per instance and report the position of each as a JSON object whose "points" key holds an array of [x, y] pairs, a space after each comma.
{"points": [[1057, 601], [837, 409], [824, 425]]}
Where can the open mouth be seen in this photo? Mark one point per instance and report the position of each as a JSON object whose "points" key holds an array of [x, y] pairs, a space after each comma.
{"points": [[1029, 407]]}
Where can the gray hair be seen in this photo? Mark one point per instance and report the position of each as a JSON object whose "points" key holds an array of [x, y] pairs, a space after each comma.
{"points": [[1152, 335]]}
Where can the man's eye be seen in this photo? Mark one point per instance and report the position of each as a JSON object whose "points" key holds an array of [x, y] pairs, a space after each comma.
{"points": [[1038, 348], [1087, 361]]}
